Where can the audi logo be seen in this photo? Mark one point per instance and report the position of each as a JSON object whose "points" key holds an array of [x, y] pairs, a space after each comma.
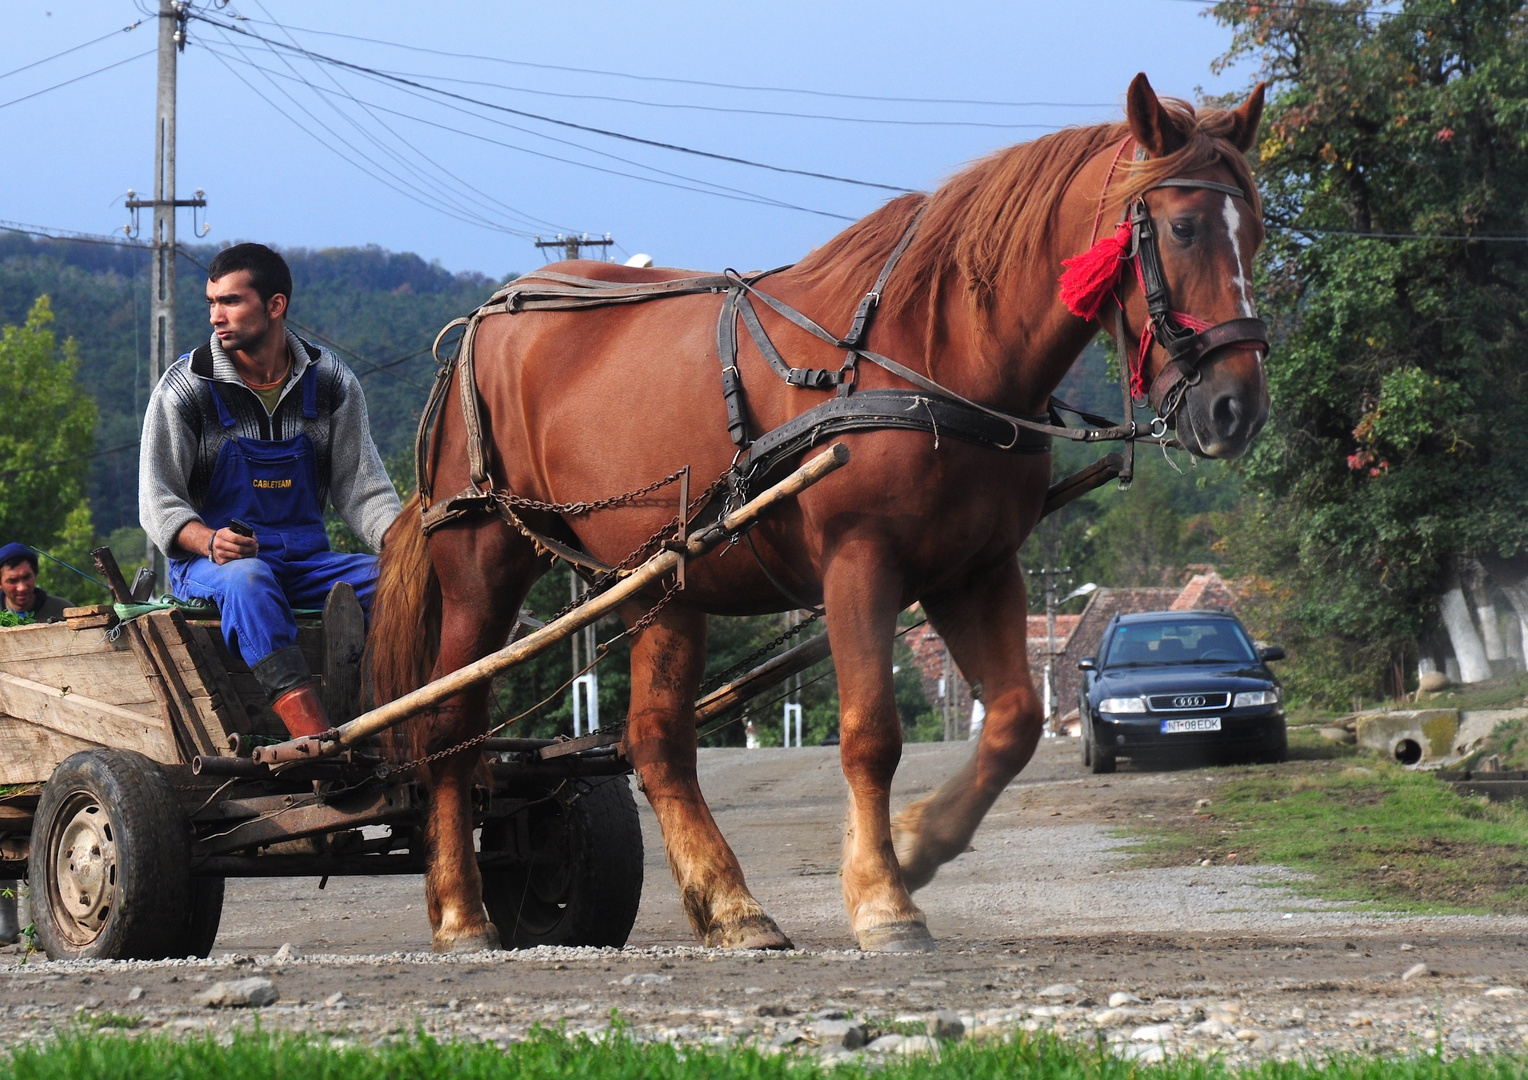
{"points": [[1189, 701]]}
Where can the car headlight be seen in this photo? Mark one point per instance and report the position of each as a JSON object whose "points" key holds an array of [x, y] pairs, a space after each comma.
{"points": [[1255, 697], [1122, 705]]}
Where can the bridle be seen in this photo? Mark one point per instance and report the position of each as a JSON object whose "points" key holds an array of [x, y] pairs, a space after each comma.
{"points": [[1188, 340]]}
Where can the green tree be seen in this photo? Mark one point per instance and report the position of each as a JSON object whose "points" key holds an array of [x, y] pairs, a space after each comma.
{"points": [[1392, 162], [45, 443]]}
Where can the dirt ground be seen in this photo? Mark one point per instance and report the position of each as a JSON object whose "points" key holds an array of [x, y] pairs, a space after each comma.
{"points": [[1039, 926]]}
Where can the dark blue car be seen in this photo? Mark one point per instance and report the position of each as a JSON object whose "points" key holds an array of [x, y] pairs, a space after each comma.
{"points": [[1178, 684]]}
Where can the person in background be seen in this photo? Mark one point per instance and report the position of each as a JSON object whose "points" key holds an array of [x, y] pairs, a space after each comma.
{"points": [[18, 581]]}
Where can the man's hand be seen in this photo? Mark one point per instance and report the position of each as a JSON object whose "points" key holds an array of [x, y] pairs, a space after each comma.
{"points": [[221, 546]]}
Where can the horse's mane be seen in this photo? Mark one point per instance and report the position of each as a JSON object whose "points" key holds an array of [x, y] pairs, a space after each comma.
{"points": [[989, 220]]}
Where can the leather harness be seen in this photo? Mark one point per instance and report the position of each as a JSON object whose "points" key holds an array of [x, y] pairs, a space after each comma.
{"points": [[929, 407]]}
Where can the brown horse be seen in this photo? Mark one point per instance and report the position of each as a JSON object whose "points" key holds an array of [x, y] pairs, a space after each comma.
{"points": [[587, 403]]}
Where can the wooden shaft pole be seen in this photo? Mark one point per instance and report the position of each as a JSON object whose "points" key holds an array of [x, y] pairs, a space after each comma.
{"points": [[559, 630], [763, 678]]}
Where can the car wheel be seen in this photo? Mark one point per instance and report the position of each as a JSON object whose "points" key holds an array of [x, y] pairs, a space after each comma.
{"points": [[1103, 763], [1276, 749], [1087, 743]]}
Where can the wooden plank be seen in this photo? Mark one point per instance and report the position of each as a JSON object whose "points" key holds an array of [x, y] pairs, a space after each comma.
{"points": [[229, 704], [42, 641], [32, 752], [198, 723], [262, 721], [82, 717], [344, 645]]}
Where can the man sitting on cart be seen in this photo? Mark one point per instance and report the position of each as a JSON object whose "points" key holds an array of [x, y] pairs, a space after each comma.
{"points": [[244, 442], [18, 583]]}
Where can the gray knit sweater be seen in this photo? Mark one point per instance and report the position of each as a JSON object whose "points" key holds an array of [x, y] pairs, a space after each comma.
{"points": [[182, 437]]}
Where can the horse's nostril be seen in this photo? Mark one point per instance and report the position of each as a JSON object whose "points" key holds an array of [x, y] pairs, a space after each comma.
{"points": [[1227, 415]]}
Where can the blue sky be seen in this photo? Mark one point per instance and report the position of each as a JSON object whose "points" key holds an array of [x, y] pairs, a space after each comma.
{"points": [[463, 198]]}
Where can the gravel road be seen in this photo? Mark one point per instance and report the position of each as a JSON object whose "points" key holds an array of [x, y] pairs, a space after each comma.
{"points": [[1043, 924]]}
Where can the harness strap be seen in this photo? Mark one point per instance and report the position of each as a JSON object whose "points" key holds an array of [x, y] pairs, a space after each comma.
{"points": [[894, 408], [732, 380]]}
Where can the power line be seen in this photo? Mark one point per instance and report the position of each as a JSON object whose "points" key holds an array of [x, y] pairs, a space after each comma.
{"points": [[721, 190], [424, 175], [66, 52], [701, 82], [608, 133], [723, 108], [11, 474], [1498, 238], [401, 187], [77, 78]]}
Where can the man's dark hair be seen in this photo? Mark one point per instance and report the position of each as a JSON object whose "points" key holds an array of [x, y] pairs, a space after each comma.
{"points": [[268, 272]]}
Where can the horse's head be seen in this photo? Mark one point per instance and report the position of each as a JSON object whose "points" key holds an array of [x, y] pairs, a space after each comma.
{"points": [[1190, 322]]}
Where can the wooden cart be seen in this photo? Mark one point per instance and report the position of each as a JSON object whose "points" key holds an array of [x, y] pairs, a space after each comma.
{"points": [[129, 797], [143, 769]]}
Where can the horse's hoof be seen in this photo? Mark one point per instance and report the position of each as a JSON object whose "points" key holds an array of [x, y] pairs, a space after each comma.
{"points": [[759, 933], [483, 940], [897, 937]]}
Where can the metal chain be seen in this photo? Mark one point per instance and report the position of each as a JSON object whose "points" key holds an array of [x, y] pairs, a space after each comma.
{"points": [[747, 662], [477, 740], [520, 502]]}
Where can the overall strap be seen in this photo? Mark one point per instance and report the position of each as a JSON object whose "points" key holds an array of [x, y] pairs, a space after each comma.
{"points": [[310, 392]]}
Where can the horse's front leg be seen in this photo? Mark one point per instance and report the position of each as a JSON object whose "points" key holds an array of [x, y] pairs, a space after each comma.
{"points": [[984, 624], [861, 596], [667, 661]]}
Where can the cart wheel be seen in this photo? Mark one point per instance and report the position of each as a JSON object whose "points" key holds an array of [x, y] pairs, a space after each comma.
{"points": [[577, 876], [206, 914], [110, 863]]}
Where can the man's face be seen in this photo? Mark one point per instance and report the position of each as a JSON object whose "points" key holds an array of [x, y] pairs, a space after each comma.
{"points": [[238, 316], [19, 584]]}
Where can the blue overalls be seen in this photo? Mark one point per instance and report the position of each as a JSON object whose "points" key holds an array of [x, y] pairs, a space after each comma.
{"points": [[272, 485]]}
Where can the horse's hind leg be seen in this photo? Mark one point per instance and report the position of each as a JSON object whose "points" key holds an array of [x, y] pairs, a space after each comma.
{"points": [[984, 625], [484, 575], [667, 660]]}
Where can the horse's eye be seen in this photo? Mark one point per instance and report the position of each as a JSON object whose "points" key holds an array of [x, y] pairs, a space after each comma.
{"points": [[1183, 230]]}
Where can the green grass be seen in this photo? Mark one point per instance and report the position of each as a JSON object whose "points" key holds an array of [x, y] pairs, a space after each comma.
{"points": [[551, 1057], [1367, 831]]}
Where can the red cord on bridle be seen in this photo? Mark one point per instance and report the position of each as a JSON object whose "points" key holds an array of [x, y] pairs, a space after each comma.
{"points": [[1092, 278]]}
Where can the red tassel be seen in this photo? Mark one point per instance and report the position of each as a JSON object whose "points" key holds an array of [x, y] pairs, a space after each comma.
{"points": [[1092, 276]]}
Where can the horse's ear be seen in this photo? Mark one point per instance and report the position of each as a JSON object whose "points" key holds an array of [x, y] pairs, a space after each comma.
{"points": [[1150, 123], [1246, 119]]}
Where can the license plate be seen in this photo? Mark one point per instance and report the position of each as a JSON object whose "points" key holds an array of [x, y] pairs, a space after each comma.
{"points": [[1197, 723]]}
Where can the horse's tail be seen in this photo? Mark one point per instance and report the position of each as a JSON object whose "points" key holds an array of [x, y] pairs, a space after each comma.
{"points": [[405, 613]]}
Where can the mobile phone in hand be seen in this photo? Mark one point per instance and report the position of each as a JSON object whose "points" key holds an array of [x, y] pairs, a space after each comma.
{"points": [[243, 528]]}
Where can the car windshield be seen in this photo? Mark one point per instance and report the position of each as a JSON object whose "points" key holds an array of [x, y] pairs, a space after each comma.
{"points": [[1186, 641]]}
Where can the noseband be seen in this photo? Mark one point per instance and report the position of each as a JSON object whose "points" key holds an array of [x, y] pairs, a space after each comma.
{"points": [[1188, 340]]}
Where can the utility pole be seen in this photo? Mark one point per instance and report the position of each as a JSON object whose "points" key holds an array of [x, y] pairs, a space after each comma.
{"points": [[571, 245], [1050, 575], [172, 39]]}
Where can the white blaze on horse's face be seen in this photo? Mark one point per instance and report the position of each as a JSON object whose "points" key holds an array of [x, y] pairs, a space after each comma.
{"points": [[1232, 216]]}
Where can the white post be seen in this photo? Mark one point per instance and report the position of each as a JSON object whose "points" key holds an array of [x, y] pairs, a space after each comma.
{"points": [[792, 710], [586, 691]]}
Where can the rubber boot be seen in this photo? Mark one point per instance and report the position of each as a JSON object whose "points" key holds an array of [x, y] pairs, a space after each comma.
{"points": [[301, 711], [10, 925]]}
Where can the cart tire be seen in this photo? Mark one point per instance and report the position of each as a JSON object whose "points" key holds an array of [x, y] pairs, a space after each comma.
{"points": [[578, 878], [110, 864], [206, 915]]}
